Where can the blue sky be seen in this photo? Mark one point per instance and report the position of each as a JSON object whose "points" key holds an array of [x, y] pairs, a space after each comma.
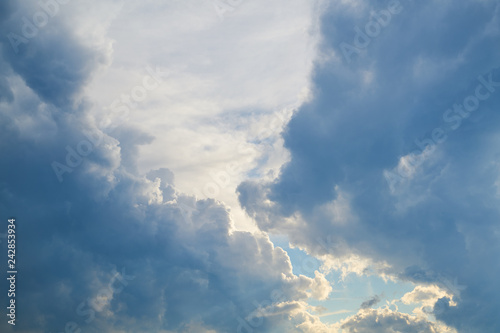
{"points": [[251, 166]]}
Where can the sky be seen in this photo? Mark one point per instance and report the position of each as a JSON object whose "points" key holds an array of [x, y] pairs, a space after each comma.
{"points": [[213, 166]]}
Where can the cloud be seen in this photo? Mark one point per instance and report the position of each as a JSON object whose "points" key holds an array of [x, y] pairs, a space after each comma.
{"points": [[43, 50], [218, 106], [370, 303], [383, 321], [381, 114], [191, 267], [292, 316], [427, 295], [186, 268]]}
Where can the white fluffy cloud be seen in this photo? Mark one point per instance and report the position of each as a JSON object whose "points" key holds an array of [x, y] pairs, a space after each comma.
{"points": [[388, 321]]}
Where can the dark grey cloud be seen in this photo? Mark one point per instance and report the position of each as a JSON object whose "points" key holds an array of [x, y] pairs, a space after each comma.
{"points": [[39, 44], [108, 249], [440, 220], [370, 303], [190, 267]]}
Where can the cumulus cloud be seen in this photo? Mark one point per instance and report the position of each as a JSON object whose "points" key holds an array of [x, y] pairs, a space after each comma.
{"points": [[385, 320], [181, 264], [427, 295], [393, 163], [191, 268]]}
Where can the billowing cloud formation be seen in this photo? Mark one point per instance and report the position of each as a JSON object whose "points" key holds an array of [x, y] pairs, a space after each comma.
{"points": [[103, 248], [384, 321], [394, 163], [186, 265]]}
